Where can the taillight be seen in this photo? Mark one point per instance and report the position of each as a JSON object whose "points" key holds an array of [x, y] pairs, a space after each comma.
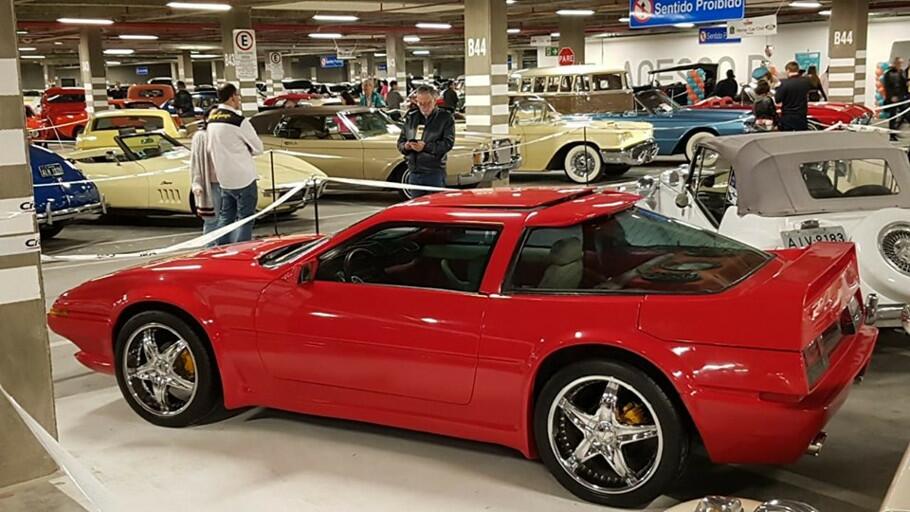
{"points": [[815, 360]]}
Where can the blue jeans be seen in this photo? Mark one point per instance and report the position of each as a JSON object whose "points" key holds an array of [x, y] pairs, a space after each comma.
{"points": [[238, 204], [212, 223], [427, 179]]}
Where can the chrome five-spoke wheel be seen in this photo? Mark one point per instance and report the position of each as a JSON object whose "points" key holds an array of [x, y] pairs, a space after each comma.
{"points": [[610, 433], [166, 371]]}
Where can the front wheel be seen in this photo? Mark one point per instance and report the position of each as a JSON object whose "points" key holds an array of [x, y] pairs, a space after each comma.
{"points": [[583, 164], [165, 371], [401, 176], [609, 433], [693, 142]]}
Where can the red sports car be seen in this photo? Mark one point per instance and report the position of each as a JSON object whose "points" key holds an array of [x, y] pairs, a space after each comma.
{"points": [[63, 110], [565, 323], [825, 114]]}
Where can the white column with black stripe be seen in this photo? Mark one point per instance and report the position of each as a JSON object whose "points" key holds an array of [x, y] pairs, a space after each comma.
{"points": [[486, 71], [91, 66], [235, 49]]}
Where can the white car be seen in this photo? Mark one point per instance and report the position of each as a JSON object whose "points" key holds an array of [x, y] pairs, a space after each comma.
{"points": [[780, 190]]}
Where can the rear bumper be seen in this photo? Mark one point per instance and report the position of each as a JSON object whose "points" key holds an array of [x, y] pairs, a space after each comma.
{"points": [[894, 315], [488, 172], [638, 154], [49, 216], [746, 428]]}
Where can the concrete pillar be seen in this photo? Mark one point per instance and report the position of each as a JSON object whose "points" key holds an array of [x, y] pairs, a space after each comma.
{"points": [[185, 70], [572, 35], [91, 64], [427, 68], [25, 369], [396, 61], [514, 59], [367, 64], [847, 33], [486, 73], [236, 18], [50, 75]]}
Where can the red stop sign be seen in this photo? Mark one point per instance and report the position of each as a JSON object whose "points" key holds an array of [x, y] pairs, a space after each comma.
{"points": [[566, 56]]}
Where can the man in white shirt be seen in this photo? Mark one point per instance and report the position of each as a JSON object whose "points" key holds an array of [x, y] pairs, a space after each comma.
{"points": [[231, 143]]}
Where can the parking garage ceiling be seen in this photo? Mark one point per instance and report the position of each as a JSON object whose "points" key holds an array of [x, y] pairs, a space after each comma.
{"points": [[284, 25]]}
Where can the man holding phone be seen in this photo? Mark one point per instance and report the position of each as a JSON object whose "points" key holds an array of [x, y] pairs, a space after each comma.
{"points": [[427, 137]]}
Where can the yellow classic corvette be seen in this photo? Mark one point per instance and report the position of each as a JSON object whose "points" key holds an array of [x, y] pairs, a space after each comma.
{"points": [[583, 148], [103, 126], [359, 142], [151, 172]]}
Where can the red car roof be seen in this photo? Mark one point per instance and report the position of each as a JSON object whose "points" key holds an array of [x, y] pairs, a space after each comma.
{"points": [[504, 197]]}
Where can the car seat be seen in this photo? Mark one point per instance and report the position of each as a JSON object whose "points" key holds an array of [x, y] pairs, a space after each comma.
{"points": [[566, 265], [819, 184]]}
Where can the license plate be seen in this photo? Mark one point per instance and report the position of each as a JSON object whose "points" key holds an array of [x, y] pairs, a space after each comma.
{"points": [[807, 237], [50, 171]]}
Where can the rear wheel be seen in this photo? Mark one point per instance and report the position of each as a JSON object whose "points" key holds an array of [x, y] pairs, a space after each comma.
{"points": [[583, 164], [401, 176], [166, 372], [609, 433]]}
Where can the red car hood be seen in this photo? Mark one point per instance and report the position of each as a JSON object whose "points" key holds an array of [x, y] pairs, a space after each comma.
{"points": [[243, 251]]}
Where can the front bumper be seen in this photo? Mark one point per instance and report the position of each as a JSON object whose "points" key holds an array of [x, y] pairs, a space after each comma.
{"points": [[893, 315], [639, 154], [300, 199], [488, 172], [769, 431], [49, 216]]}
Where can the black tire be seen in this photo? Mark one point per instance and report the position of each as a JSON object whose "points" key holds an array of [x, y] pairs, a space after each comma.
{"points": [[616, 169], [205, 404], [400, 175], [48, 232], [77, 130], [670, 428]]}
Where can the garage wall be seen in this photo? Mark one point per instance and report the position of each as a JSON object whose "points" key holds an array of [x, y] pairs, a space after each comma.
{"points": [[32, 75], [639, 55], [127, 74], [202, 72]]}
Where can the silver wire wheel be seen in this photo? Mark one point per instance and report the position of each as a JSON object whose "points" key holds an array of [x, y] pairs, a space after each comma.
{"points": [[583, 164], [159, 370], [605, 435]]}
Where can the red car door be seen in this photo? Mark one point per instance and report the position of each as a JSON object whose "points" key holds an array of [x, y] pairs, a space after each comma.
{"points": [[393, 311]]}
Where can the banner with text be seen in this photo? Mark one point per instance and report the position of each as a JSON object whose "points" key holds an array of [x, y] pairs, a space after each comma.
{"points": [[715, 35], [661, 13], [752, 27]]}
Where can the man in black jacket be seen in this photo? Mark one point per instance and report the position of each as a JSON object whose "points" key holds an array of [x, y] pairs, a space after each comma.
{"points": [[727, 88], [183, 104], [427, 137], [895, 81], [793, 97], [450, 97]]}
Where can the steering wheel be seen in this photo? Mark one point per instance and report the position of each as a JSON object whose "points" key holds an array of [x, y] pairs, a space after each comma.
{"points": [[362, 252], [868, 190]]}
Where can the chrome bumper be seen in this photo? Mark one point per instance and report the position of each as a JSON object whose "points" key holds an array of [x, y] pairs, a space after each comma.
{"points": [[893, 315], [488, 172], [638, 154], [302, 198], [49, 216]]}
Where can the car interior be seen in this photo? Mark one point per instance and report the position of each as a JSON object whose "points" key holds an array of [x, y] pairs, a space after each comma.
{"points": [[848, 178]]}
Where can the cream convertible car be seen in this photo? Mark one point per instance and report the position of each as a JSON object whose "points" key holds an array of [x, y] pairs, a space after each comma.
{"points": [[358, 142], [150, 172], [583, 148]]}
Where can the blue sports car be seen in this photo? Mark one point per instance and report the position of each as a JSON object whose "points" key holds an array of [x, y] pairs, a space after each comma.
{"points": [[62, 192], [676, 128]]}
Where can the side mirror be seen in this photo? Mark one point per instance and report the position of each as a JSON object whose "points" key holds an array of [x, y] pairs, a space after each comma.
{"points": [[112, 156], [682, 199], [307, 272]]}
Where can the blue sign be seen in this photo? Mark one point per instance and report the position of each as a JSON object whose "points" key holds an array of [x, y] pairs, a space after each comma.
{"points": [[382, 67], [807, 59], [142, 70], [331, 61], [661, 13], [715, 35]]}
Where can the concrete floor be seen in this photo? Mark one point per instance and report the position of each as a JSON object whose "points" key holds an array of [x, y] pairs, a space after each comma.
{"points": [[287, 461]]}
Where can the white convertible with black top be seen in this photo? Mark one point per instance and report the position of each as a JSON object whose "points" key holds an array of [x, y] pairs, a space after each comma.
{"points": [[781, 190]]}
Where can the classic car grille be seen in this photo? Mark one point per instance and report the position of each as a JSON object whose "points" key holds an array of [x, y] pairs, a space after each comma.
{"points": [[895, 246], [502, 151]]}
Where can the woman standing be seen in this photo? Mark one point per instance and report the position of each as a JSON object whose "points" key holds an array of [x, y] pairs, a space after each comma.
{"points": [[817, 92], [764, 109]]}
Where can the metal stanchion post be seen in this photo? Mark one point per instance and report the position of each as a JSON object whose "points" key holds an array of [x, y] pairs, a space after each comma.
{"points": [[274, 190], [316, 203], [584, 136]]}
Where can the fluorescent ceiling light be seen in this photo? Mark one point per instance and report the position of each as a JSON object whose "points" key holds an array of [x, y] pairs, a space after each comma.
{"points": [[513, 31], [335, 17], [806, 5], [826, 12], [421, 52], [684, 25], [58, 43], [199, 6], [379, 55], [203, 56], [21, 32], [32, 57], [113, 63], [510, 2], [325, 35], [575, 12], [119, 51], [85, 21], [607, 34], [624, 19], [411, 39], [434, 26], [554, 34], [27, 48], [138, 37]]}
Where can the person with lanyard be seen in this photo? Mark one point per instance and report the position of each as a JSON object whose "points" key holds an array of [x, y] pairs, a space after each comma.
{"points": [[793, 96], [425, 141], [231, 143], [370, 97]]}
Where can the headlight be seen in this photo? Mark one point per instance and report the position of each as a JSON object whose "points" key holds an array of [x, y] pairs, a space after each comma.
{"points": [[894, 244]]}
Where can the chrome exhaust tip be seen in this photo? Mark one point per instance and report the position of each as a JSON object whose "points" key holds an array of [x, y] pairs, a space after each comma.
{"points": [[816, 445]]}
